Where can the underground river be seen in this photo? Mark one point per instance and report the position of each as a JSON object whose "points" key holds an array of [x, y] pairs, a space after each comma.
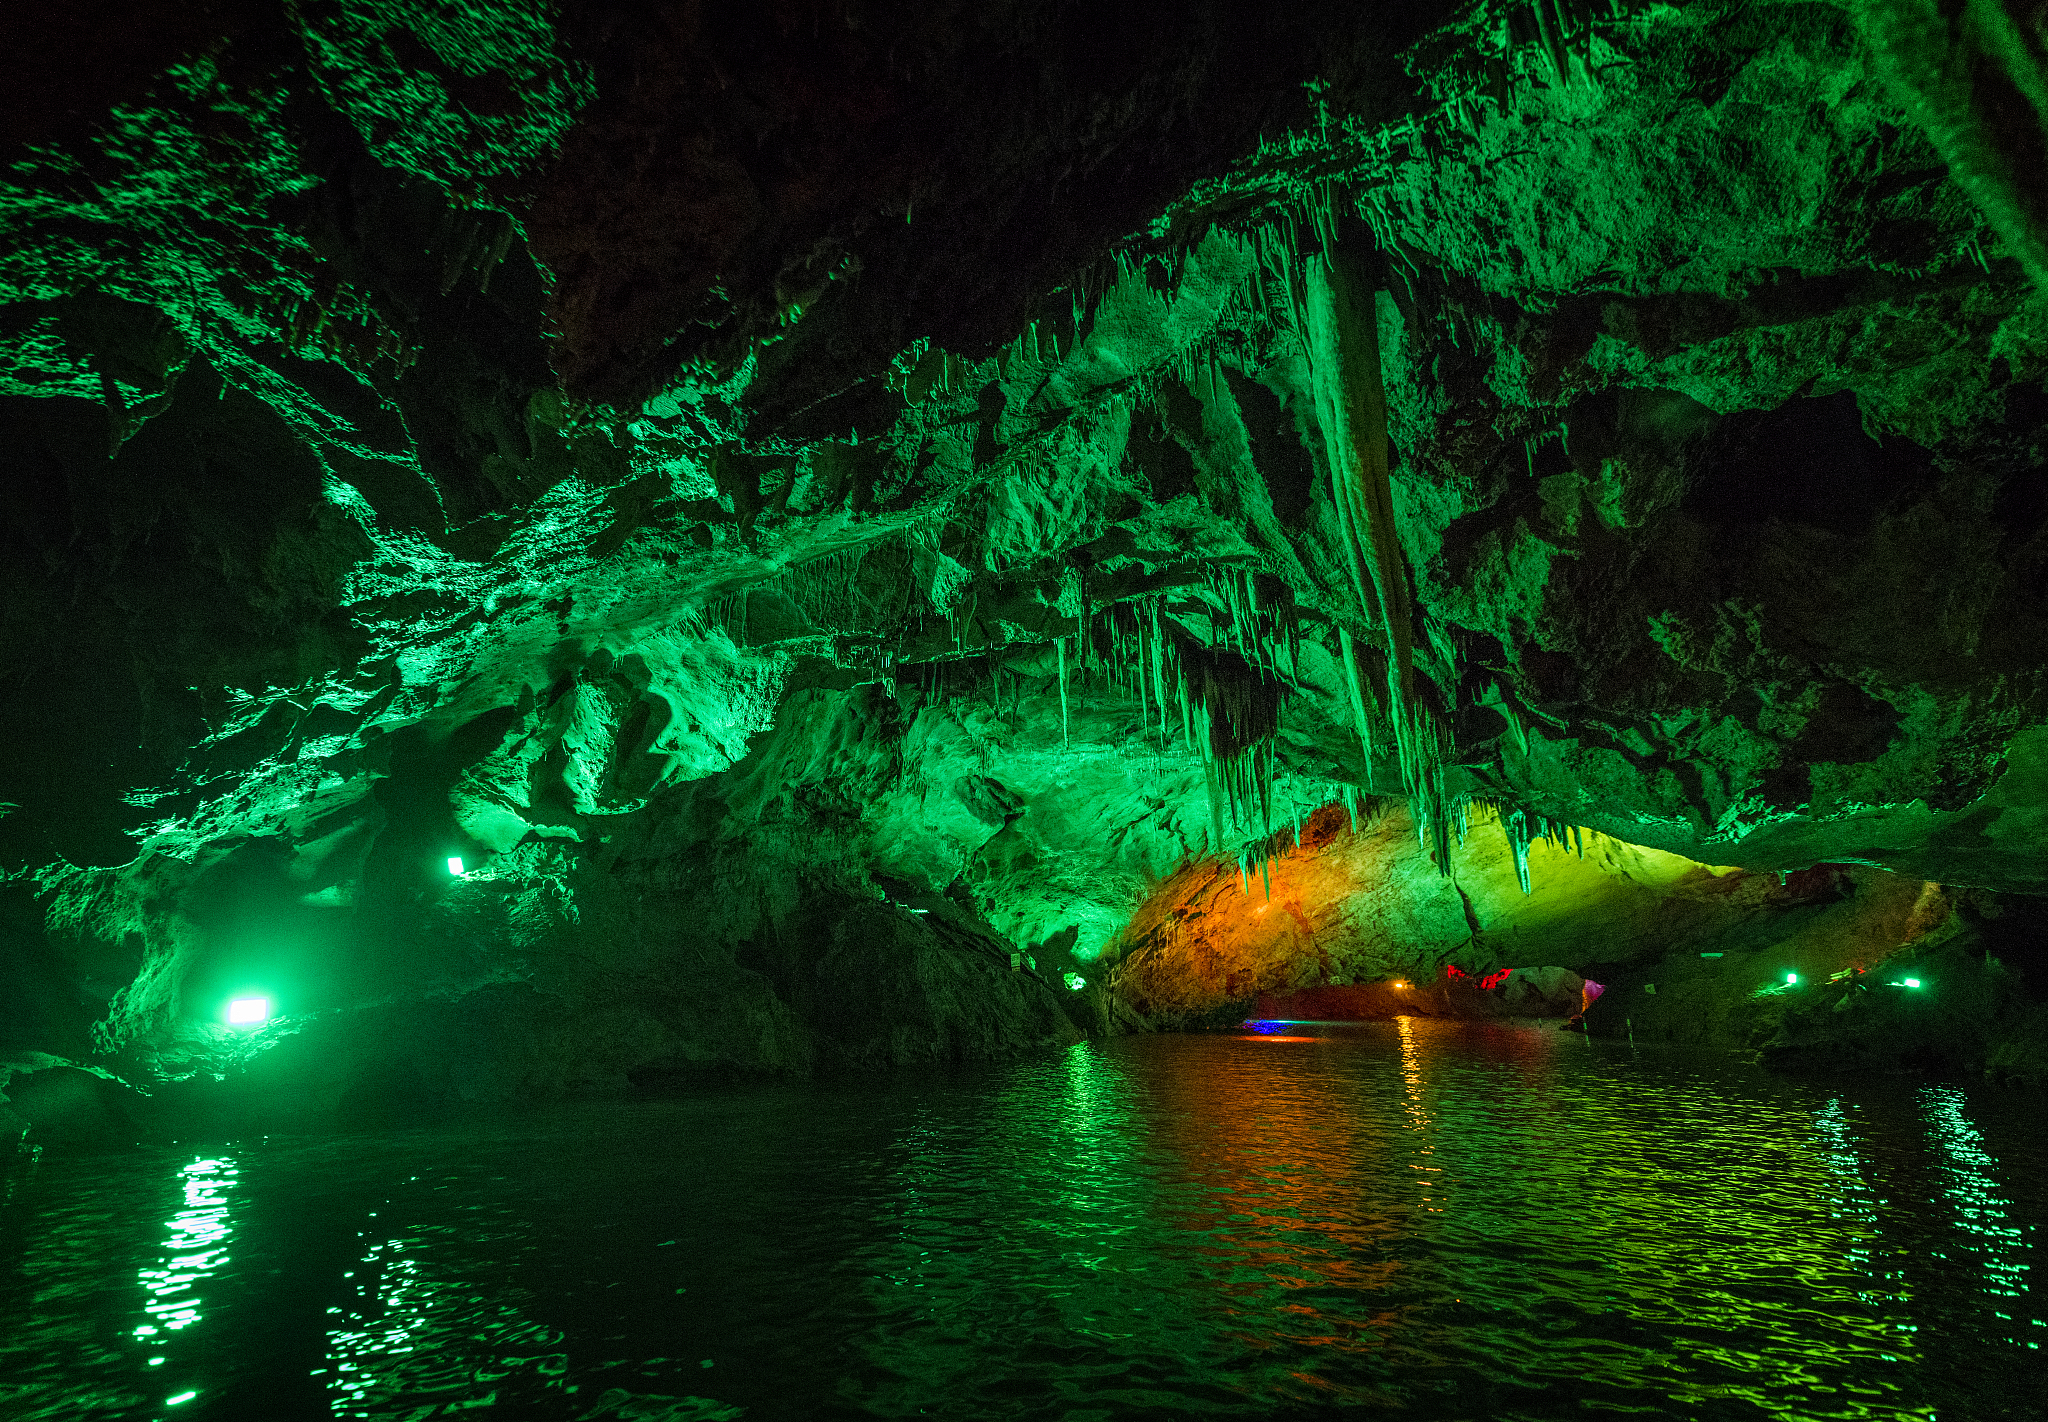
{"points": [[1427, 1219]]}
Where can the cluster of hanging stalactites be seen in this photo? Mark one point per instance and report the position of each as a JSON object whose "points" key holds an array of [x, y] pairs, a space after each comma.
{"points": [[825, 589], [1257, 857], [1303, 289], [1224, 699], [1523, 827]]}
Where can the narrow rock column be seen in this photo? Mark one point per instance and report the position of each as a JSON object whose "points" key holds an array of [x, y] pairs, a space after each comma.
{"points": [[1341, 332], [1351, 406]]}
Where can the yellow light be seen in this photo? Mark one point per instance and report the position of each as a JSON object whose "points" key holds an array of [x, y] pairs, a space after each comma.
{"points": [[244, 1011], [454, 864]]}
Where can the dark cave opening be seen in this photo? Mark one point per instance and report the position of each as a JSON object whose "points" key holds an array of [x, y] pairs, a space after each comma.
{"points": [[1811, 461]]}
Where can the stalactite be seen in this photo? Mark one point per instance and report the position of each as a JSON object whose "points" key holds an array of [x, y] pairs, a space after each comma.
{"points": [[1061, 642], [1340, 331], [1159, 650], [1517, 827], [1228, 689], [1356, 689], [1523, 827]]}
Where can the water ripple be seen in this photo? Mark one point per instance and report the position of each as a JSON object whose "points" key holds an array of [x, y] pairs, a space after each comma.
{"points": [[1439, 1220]]}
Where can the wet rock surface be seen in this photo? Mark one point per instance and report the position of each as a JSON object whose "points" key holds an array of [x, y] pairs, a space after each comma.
{"points": [[734, 482]]}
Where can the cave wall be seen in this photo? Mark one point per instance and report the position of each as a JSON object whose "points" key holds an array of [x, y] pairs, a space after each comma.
{"points": [[1364, 904], [882, 461], [1809, 969]]}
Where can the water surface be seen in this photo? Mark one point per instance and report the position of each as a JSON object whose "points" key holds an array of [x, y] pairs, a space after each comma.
{"points": [[1427, 1220]]}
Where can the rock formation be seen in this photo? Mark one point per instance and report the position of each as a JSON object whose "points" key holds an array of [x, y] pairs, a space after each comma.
{"points": [[804, 504]]}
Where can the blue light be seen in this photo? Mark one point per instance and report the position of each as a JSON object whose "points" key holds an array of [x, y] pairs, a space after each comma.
{"points": [[1268, 1026]]}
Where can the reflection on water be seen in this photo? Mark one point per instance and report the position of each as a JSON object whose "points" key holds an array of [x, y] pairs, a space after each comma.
{"points": [[196, 1249], [194, 1253], [1981, 1208], [1856, 1206], [1437, 1219], [411, 1342]]}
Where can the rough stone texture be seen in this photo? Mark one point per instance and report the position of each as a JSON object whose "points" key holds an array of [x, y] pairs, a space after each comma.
{"points": [[1367, 907], [1360, 925], [634, 449]]}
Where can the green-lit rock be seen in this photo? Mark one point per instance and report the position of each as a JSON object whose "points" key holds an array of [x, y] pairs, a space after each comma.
{"points": [[724, 476]]}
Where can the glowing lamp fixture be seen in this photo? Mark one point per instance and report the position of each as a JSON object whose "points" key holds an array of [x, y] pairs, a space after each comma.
{"points": [[1791, 978], [1400, 984], [247, 1011], [454, 864], [1909, 982]]}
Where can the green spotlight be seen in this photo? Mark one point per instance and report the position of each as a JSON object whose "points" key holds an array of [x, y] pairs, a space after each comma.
{"points": [[455, 864], [1791, 979], [248, 1011], [1911, 982], [1076, 982]]}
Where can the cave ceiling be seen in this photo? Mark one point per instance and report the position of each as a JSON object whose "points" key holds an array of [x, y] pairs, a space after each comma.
{"points": [[905, 437]]}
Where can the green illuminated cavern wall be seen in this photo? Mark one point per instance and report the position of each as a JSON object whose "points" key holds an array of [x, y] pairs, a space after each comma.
{"points": [[804, 514]]}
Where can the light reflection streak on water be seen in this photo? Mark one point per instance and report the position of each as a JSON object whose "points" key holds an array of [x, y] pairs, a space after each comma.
{"points": [[1981, 1208], [1856, 1205], [414, 1345], [195, 1252], [1010, 1217], [1094, 1148], [197, 1248], [1412, 1081], [1078, 1158]]}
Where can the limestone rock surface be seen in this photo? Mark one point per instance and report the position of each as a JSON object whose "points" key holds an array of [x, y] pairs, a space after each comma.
{"points": [[730, 483]]}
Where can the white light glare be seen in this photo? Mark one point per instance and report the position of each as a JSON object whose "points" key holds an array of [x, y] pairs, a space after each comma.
{"points": [[1912, 982], [454, 864], [244, 1010]]}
